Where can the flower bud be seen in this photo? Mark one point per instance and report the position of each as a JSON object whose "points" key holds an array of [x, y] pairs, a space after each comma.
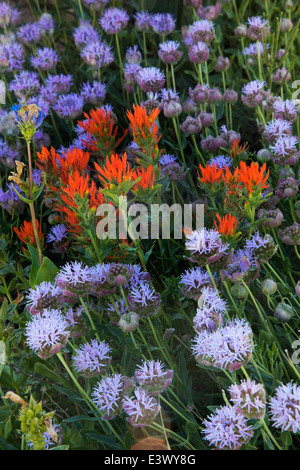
{"points": [[240, 31], [272, 218], [286, 188], [268, 287], [297, 289], [222, 64], [172, 109], [129, 322], [263, 155], [239, 291], [284, 312], [230, 96], [290, 235], [286, 25]]}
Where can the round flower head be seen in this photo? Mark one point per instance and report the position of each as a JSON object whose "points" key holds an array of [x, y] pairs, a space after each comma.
{"points": [[229, 347], [258, 28], [25, 83], [96, 5], [141, 409], [227, 429], [46, 24], [277, 128], [48, 333], [206, 247], [201, 30], [290, 235], [249, 398], [57, 234], [97, 54], [43, 296], [285, 110], [169, 52], [100, 283], [193, 281], [285, 407], [143, 300], [286, 188], [118, 273], [285, 150], [254, 50], [45, 59], [152, 377], [142, 20], [85, 34], [270, 217], [211, 301], [133, 55], [221, 161], [138, 276], [59, 83], [114, 20], [253, 93], [108, 394], [199, 53], [29, 33], [263, 247], [92, 358], [74, 279], [162, 23], [12, 56], [93, 93], [69, 106], [150, 79], [130, 72]]}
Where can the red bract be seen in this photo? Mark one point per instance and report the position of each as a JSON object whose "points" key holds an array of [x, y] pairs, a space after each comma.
{"points": [[102, 131]]}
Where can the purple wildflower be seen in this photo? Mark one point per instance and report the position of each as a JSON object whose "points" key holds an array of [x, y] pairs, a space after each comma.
{"points": [[44, 296], [277, 128], [59, 83], [152, 377], [114, 20], [45, 59], [46, 24], [143, 300], [193, 281], [142, 20], [7, 154], [227, 429], [93, 93], [249, 398], [285, 110], [141, 409], [69, 106], [130, 72], [169, 52], [133, 55], [222, 161], [96, 5], [150, 79], [97, 54], [199, 53], [48, 333], [92, 358], [162, 23], [201, 30], [108, 394], [85, 34], [253, 93], [12, 56], [24, 83], [29, 33], [206, 247], [229, 347], [258, 28], [285, 150], [74, 279], [57, 234], [285, 407]]}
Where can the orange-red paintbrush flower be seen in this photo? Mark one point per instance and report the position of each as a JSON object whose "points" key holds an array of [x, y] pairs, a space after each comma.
{"points": [[115, 171], [227, 224], [26, 234], [210, 175], [253, 177]]}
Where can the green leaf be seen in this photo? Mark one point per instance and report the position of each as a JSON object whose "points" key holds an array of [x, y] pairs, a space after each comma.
{"points": [[63, 447], [286, 439], [43, 370], [35, 264], [47, 271]]}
